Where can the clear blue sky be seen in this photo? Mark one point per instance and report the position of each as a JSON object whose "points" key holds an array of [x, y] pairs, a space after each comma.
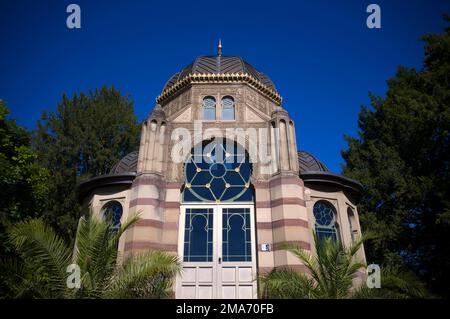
{"points": [[320, 54]]}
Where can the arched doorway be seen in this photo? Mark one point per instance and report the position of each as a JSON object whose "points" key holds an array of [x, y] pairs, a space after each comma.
{"points": [[217, 225]]}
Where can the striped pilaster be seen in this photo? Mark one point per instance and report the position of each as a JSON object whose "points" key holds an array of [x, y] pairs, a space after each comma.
{"points": [[158, 204], [281, 219]]}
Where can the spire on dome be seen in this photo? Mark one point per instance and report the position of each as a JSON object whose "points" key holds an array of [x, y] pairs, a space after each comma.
{"points": [[219, 48]]}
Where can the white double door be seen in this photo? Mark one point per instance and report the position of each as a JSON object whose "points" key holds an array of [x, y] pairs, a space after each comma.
{"points": [[217, 247]]}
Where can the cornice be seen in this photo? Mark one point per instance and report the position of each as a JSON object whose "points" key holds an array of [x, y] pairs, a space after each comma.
{"points": [[220, 78]]}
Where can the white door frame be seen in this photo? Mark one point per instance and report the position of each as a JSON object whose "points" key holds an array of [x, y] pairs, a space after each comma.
{"points": [[216, 279]]}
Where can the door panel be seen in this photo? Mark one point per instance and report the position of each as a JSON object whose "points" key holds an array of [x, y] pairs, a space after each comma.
{"points": [[198, 235], [237, 253], [196, 282], [236, 234], [217, 247], [196, 248]]}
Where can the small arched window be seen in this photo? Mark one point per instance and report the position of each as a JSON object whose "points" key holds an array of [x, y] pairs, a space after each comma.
{"points": [[228, 109], [326, 225], [112, 210], [209, 108]]}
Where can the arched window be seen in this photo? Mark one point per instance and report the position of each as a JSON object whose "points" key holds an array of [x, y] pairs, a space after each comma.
{"points": [[209, 108], [326, 225], [228, 112], [218, 172], [112, 210], [352, 223]]}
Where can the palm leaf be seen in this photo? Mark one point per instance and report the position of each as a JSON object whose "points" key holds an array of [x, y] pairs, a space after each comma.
{"points": [[39, 246], [330, 271], [147, 275], [96, 252], [287, 283]]}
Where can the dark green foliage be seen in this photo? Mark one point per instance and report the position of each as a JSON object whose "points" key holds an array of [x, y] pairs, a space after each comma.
{"points": [[402, 158], [396, 283], [85, 137], [22, 181]]}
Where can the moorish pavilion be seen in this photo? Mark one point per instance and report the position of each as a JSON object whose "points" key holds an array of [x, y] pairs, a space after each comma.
{"points": [[224, 205]]}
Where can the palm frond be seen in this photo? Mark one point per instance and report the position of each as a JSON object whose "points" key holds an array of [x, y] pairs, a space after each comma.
{"points": [[96, 252], [147, 275], [130, 222], [40, 247], [40, 272], [308, 260], [287, 283], [330, 270]]}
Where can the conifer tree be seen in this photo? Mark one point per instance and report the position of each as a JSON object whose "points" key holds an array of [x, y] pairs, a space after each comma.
{"points": [[83, 138], [402, 157]]}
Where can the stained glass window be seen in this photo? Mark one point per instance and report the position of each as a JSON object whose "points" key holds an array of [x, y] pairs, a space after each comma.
{"points": [[218, 172], [209, 108], [325, 216], [112, 210], [198, 234], [236, 240], [228, 108]]}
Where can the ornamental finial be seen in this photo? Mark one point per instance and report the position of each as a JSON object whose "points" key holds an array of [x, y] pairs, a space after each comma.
{"points": [[219, 48]]}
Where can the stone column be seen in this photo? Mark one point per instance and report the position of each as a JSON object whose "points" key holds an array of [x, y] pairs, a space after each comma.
{"points": [[140, 167], [283, 196], [148, 195]]}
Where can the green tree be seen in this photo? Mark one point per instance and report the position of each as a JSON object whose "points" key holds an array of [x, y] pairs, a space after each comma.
{"points": [[41, 269], [401, 156], [23, 182], [84, 137]]}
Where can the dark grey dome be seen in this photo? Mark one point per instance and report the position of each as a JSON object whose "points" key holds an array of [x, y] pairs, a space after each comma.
{"points": [[314, 173], [308, 163], [127, 164], [220, 65]]}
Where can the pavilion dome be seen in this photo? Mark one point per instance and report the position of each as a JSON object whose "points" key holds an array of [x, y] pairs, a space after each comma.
{"points": [[309, 163], [220, 65], [128, 164], [219, 69]]}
